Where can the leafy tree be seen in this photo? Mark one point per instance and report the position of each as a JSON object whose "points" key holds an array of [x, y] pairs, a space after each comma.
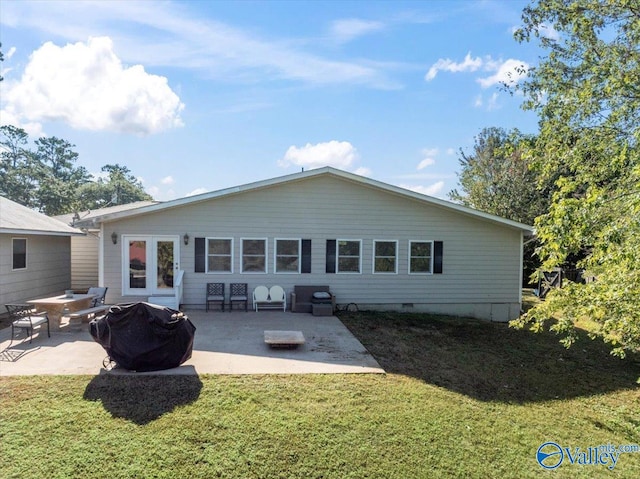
{"points": [[57, 176], [497, 178], [120, 188], [16, 166], [586, 92], [48, 180]]}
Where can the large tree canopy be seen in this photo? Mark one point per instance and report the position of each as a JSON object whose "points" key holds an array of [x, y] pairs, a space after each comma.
{"points": [[586, 91], [46, 178]]}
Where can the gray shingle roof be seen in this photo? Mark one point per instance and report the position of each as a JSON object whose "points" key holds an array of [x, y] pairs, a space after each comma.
{"points": [[18, 219]]}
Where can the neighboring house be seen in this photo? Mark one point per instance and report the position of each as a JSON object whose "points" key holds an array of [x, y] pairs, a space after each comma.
{"points": [[85, 249], [376, 245], [35, 253]]}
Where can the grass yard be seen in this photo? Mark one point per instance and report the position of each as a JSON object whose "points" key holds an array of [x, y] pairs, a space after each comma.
{"points": [[462, 398]]}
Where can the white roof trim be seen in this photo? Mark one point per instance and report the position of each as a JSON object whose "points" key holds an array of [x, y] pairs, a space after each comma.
{"points": [[327, 170]]}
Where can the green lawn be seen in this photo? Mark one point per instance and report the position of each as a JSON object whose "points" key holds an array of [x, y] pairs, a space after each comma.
{"points": [[464, 399]]}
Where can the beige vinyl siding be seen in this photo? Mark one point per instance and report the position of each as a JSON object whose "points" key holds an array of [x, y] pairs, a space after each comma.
{"points": [[481, 258], [48, 269], [84, 265]]}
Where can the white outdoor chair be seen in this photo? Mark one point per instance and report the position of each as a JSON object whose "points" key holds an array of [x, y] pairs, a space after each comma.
{"points": [[260, 295], [276, 295]]}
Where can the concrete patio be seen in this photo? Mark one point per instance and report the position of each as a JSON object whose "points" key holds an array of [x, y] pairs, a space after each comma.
{"points": [[225, 343]]}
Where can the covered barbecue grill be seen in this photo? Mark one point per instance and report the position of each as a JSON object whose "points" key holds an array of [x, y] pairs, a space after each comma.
{"points": [[144, 337]]}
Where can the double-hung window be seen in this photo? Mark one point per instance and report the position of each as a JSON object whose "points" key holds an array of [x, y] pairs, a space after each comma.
{"points": [[254, 255], [19, 253], [349, 256], [420, 257], [287, 256], [385, 256], [219, 255]]}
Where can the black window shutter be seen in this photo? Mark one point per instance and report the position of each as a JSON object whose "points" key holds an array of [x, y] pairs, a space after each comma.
{"points": [[306, 256], [200, 255], [437, 257], [331, 256]]}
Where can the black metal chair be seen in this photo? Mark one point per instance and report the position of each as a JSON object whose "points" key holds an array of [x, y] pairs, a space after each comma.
{"points": [[238, 294], [99, 294], [215, 294], [25, 316]]}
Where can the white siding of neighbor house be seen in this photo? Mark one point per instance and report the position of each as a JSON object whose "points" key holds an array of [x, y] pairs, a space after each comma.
{"points": [[48, 269], [84, 261], [481, 261]]}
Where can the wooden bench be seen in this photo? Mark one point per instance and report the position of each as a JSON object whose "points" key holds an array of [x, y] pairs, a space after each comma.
{"points": [[84, 314]]}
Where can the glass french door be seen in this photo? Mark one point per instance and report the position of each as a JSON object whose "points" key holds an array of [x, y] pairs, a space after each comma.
{"points": [[150, 264]]}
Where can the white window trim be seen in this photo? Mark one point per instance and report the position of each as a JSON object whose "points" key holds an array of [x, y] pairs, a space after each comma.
{"points": [[275, 255], [266, 255], [338, 257], [430, 272], [26, 253], [207, 255], [373, 266]]}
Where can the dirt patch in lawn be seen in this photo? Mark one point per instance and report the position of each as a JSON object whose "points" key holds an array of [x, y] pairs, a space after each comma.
{"points": [[490, 361]]}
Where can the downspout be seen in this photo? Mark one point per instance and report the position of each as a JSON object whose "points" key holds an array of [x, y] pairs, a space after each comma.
{"points": [[521, 269]]}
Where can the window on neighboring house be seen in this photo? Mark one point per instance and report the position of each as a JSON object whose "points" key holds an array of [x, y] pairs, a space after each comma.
{"points": [[254, 255], [348, 257], [287, 253], [219, 255], [19, 248], [420, 257], [385, 258]]}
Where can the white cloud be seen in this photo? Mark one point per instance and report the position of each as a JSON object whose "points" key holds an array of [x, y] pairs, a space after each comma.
{"points": [[430, 190], [339, 154], [86, 86], [197, 191], [347, 29], [10, 53], [363, 171], [428, 160], [167, 180], [175, 38], [445, 64], [509, 72]]}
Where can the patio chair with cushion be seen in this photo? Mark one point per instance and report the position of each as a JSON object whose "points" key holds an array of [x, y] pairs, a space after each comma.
{"points": [[238, 294], [215, 294], [25, 316]]}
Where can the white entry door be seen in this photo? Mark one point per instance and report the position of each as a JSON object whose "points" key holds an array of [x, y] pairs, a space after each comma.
{"points": [[150, 264]]}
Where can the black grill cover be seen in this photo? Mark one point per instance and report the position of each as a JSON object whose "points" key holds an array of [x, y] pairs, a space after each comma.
{"points": [[144, 337]]}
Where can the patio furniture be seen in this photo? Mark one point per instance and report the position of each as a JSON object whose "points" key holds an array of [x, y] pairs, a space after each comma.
{"points": [[55, 306], [215, 294], [238, 294], [302, 299], [269, 298], [99, 294], [25, 316]]}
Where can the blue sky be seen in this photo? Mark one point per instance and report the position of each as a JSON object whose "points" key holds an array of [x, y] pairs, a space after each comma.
{"points": [[198, 96]]}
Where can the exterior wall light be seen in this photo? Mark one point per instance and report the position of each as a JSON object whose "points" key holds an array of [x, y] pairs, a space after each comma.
{"points": [[114, 237], [186, 239]]}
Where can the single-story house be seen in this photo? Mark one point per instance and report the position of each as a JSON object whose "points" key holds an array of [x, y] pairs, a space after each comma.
{"points": [[376, 245], [85, 249], [35, 253]]}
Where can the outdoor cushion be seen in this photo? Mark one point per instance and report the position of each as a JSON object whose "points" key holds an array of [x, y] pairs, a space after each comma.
{"points": [[321, 295], [25, 323]]}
